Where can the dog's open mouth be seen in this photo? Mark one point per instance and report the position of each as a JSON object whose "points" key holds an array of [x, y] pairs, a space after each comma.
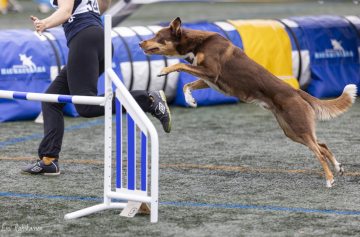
{"points": [[150, 51]]}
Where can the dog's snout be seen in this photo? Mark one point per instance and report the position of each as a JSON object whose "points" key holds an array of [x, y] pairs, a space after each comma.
{"points": [[141, 43]]}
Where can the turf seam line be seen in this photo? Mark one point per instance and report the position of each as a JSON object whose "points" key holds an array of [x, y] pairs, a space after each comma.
{"points": [[185, 166], [192, 204]]}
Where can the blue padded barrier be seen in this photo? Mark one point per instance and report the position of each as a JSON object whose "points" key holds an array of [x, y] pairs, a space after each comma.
{"points": [[24, 66], [334, 59]]}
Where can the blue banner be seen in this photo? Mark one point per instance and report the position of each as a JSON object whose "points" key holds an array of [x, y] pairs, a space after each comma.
{"points": [[25, 68], [334, 59]]}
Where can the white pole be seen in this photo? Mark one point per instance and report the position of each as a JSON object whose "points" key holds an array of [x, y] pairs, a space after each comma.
{"points": [[108, 112], [74, 99], [154, 175]]}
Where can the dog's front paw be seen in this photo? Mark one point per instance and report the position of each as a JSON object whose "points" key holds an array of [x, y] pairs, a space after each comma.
{"points": [[330, 183], [162, 73], [192, 103], [190, 100]]}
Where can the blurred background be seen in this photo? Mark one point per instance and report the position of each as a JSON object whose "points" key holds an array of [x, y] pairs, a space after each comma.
{"points": [[16, 13]]}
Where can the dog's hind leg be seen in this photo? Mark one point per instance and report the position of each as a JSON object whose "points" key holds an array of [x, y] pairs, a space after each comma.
{"points": [[287, 129], [298, 124], [339, 169], [320, 154]]}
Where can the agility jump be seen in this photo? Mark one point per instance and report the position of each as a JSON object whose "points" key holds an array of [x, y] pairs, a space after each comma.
{"points": [[135, 116]]}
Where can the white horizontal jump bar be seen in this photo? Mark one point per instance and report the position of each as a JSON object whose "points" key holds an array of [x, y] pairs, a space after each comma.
{"points": [[73, 99], [129, 197]]}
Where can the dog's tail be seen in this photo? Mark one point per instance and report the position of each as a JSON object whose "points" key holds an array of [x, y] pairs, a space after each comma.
{"points": [[327, 109]]}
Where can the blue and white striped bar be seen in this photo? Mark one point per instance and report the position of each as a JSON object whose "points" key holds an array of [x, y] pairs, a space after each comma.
{"points": [[73, 99]]}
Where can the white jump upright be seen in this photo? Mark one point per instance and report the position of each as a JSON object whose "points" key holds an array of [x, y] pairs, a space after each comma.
{"points": [[135, 116]]}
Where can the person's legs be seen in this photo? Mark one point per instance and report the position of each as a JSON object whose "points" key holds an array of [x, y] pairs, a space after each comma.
{"points": [[142, 98], [153, 103], [50, 145], [160, 110]]}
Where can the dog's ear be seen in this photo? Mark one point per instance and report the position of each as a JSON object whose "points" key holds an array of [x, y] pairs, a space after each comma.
{"points": [[175, 27]]}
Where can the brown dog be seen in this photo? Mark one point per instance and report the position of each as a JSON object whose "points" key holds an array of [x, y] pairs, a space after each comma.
{"points": [[227, 69]]}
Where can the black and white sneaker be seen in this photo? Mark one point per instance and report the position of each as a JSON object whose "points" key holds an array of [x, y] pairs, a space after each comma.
{"points": [[160, 109], [46, 166]]}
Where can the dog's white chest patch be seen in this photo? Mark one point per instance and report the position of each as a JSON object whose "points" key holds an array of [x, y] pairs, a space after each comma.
{"points": [[215, 87], [191, 56], [261, 103], [194, 62]]}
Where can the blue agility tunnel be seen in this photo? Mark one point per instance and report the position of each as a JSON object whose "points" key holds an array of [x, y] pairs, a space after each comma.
{"points": [[324, 53], [333, 50], [25, 65]]}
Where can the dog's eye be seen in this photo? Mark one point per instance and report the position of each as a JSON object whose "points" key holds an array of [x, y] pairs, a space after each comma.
{"points": [[158, 36]]}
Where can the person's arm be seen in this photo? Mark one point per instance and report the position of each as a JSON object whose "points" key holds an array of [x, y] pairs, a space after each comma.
{"points": [[104, 5], [57, 18]]}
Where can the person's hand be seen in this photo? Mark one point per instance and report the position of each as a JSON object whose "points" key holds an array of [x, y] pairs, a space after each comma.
{"points": [[39, 25]]}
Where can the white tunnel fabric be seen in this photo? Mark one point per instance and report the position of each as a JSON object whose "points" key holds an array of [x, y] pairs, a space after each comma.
{"points": [[225, 25], [355, 20], [305, 75], [141, 69]]}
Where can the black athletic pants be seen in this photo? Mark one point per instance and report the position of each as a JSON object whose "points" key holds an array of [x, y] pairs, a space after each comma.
{"points": [[78, 77]]}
